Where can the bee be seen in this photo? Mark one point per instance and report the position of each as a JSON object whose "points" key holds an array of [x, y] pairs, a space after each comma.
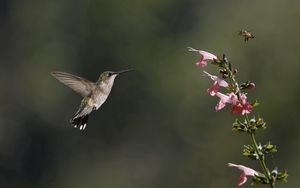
{"points": [[246, 34]]}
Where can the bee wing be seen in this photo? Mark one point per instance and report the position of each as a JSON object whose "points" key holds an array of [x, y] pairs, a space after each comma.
{"points": [[78, 84]]}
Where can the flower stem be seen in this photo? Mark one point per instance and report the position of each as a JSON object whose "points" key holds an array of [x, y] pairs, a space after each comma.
{"points": [[260, 156], [252, 135]]}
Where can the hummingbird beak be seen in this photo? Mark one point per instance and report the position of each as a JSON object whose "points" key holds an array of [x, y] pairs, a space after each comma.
{"points": [[127, 70]]}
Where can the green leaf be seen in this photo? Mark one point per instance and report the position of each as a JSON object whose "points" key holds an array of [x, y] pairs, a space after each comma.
{"points": [[239, 126], [255, 103], [260, 123], [282, 176], [269, 148], [249, 151], [260, 179]]}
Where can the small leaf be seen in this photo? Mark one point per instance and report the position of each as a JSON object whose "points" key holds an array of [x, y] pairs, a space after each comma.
{"points": [[216, 62], [249, 151], [260, 123], [269, 148], [239, 126], [260, 179], [255, 103], [282, 176], [229, 66]]}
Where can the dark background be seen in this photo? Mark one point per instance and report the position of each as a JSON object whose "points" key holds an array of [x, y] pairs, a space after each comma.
{"points": [[158, 127]]}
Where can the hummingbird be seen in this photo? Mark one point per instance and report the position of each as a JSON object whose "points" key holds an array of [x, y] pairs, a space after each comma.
{"points": [[94, 93]]}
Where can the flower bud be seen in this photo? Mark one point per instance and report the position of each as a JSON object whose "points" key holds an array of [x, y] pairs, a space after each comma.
{"points": [[247, 85], [274, 173]]}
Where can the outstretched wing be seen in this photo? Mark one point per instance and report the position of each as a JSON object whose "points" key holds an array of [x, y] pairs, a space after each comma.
{"points": [[78, 84]]}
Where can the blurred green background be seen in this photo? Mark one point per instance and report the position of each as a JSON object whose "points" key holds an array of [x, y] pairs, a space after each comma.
{"points": [[158, 127]]}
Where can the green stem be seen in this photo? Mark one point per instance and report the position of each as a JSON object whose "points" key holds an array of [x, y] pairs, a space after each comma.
{"points": [[252, 135], [260, 156]]}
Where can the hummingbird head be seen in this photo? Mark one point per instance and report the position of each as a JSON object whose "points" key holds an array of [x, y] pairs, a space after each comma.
{"points": [[109, 76]]}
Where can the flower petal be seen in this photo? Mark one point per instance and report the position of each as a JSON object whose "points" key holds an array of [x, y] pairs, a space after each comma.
{"points": [[230, 98], [207, 55], [245, 171], [213, 77], [203, 56], [242, 179], [220, 105], [220, 81], [213, 89], [242, 106], [201, 63], [248, 171]]}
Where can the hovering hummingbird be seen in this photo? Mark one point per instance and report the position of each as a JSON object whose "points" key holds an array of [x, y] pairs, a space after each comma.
{"points": [[94, 93]]}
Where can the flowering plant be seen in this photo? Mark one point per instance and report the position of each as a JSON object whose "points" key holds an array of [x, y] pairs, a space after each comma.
{"points": [[236, 98]]}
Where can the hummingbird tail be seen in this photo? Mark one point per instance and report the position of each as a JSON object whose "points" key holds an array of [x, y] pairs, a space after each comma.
{"points": [[79, 121]]}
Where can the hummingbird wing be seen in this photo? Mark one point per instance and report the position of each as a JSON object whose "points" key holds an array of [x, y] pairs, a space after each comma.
{"points": [[81, 85]]}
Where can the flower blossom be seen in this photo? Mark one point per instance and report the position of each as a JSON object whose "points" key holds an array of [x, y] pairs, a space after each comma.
{"points": [[230, 98], [203, 57], [242, 107], [245, 171], [238, 105], [216, 85]]}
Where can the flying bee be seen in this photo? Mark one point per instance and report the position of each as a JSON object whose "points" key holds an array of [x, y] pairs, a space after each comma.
{"points": [[246, 34]]}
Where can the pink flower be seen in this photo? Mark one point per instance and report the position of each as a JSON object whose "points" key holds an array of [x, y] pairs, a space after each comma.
{"points": [[217, 83], [245, 171], [242, 107], [238, 106], [230, 98], [203, 57]]}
